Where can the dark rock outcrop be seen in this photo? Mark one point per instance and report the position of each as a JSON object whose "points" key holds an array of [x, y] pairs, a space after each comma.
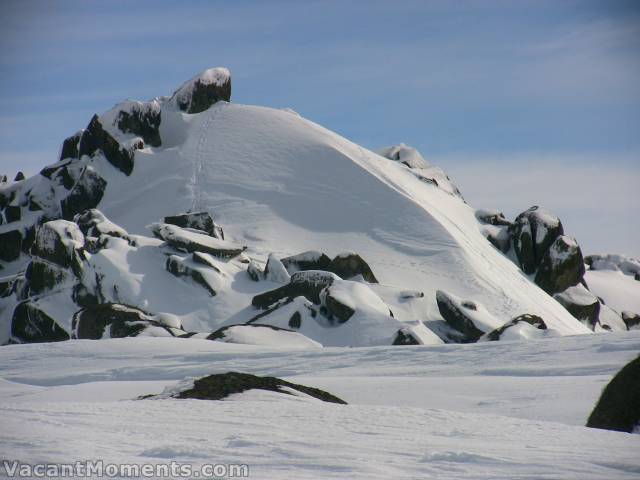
{"points": [[533, 320], [308, 284], [60, 242], [19, 177], [197, 220], [95, 138], [631, 320], [335, 308], [10, 245], [176, 266], [619, 405], [12, 213], [311, 260], [188, 241], [349, 265], [220, 334], [405, 337], [42, 276], [221, 385], [142, 119], [562, 266], [93, 223], [203, 90], [455, 314], [532, 233], [580, 303], [86, 193], [121, 320], [30, 324]]}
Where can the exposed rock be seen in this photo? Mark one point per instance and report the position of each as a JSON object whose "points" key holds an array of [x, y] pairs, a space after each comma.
{"points": [[622, 263], [42, 276], [492, 217], [619, 405], [405, 337], [499, 237], [533, 232], [198, 221], [274, 270], [70, 149], [176, 266], [86, 193], [580, 303], [12, 213], [533, 320], [60, 242], [335, 308], [308, 284], [404, 154], [199, 93], [631, 320], [10, 245], [30, 324], [189, 241], [19, 177], [142, 119], [348, 265], [310, 260], [261, 334], [95, 138], [220, 386], [254, 271], [296, 320], [121, 320], [93, 223], [562, 266], [456, 314]]}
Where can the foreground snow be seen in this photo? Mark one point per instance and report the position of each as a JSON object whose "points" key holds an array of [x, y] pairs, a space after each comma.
{"points": [[488, 410]]}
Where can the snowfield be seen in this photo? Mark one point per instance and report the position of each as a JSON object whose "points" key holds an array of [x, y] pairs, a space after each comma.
{"points": [[480, 411]]}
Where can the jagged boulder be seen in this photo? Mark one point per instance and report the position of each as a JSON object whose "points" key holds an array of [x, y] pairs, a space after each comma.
{"points": [[70, 149], [60, 242], [199, 93], [141, 119], [499, 237], [221, 385], [19, 177], [580, 303], [176, 266], [30, 324], [310, 260], [457, 316], [96, 138], [85, 194], [114, 320], [198, 221], [12, 213], [405, 337], [191, 241], [10, 245], [631, 320], [93, 223], [562, 266], [336, 307], [348, 265], [308, 284], [619, 405], [526, 319], [532, 233], [43, 276]]}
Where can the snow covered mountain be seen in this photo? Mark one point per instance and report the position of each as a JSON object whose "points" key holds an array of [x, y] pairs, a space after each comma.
{"points": [[315, 239]]}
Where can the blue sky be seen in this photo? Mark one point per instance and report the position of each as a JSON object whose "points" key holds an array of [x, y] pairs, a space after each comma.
{"points": [[522, 102]]}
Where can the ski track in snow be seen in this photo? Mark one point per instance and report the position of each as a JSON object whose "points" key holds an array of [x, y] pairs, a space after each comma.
{"points": [[498, 410]]}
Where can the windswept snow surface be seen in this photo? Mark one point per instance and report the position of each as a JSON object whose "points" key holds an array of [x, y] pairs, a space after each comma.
{"points": [[496, 410], [282, 184]]}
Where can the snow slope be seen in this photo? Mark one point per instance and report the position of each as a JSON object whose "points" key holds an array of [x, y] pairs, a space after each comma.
{"points": [[279, 183], [620, 292], [480, 411]]}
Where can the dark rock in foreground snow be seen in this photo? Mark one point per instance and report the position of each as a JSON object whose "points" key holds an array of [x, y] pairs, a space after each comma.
{"points": [[580, 303], [561, 267], [458, 316], [619, 405], [30, 324], [221, 385]]}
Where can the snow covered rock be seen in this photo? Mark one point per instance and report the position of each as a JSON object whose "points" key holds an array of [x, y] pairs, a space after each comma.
{"points": [[631, 320], [198, 221], [30, 324], [60, 242], [258, 334], [533, 232], [498, 236], [93, 223], [177, 266], [349, 265], [561, 267], [43, 276], [404, 154], [85, 194], [469, 318], [10, 245], [96, 138], [310, 260], [190, 241], [492, 217], [626, 265], [112, 320], [581, 303], [275, 271], [141, 119], [307, 284], [619, 406], [222, 385], [523, 326], [199, 93]]}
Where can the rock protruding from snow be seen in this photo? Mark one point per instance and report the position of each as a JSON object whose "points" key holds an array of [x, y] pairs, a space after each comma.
{"points": [[631, 320], [626, 265], [520, 327], [177, 266], [199, 93], [275, 271], [190, 241], [60, 242], [93, 223], [10, 245], [141, 119], [468, 318], [307, 284], [30, 324], [533, 232], [85, 194], [619, 405], [222, 385], [310, 260], [349, 265], [43, 276], [198, 221], [581, 303], [492, 217], [404, 154], [561, 267], [258, 334]]}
